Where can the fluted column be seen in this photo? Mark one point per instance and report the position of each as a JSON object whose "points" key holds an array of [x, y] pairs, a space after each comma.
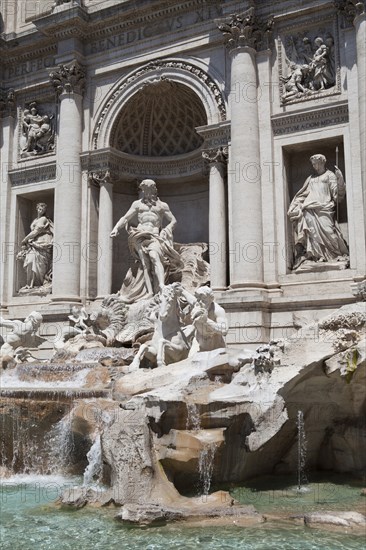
{"points": [[69, 81], [105, 226], [217, 159], [7, 251], [243, 35]]}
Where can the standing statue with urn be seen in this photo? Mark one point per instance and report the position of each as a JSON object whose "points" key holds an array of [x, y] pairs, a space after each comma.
{"points": [[36, 250], [317, 236]]}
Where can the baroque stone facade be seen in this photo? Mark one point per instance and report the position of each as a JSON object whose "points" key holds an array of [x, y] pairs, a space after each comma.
{"points": [[223, 107]]}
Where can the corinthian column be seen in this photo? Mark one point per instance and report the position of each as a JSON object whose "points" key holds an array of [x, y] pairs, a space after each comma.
{"points": [[69, 82], [105, 226], [217, 159], [7, 247], [360, 25], [243, 35]]}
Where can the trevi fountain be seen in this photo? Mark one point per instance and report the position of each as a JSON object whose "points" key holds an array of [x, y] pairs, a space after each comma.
{"points": [[182, 284]]}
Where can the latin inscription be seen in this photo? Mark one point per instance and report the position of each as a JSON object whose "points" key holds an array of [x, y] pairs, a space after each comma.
{"points": [[28, 67], [158, 28]]}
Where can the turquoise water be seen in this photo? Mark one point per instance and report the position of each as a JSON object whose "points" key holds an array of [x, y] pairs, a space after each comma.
{"points": [[29, 521], [274, 495]]}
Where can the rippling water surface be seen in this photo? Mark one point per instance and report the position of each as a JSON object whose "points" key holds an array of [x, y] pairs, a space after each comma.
{"points": [[30, 521]]}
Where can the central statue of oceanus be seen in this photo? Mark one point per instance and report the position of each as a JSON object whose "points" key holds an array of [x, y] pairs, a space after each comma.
{"points": [[150, 243]]}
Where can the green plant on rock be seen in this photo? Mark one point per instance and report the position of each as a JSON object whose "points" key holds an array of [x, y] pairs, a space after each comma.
{"points": [[352, 360]]}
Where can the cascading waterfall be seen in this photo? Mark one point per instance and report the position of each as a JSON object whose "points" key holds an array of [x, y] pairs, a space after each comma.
{"points": [[193, 417], [205, 467], [301, 451], [61, 444], [207, 454], [25, 445], [93, 471]]}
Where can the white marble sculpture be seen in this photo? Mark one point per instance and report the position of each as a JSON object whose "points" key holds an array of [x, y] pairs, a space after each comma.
{"points": [[311, 66], [208, 318], [170, 341], [79, 320], [36, 252], [150, 243], [38, 135], [317, 236], [23, 334]]}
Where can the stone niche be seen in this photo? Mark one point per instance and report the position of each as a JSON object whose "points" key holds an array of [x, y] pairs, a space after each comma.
{"points": [[297, 168], [26, 213], [188, 201]]}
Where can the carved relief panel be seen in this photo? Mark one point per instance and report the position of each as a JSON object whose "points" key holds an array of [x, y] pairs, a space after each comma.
{"points": [[309, 65], [36, 130]]}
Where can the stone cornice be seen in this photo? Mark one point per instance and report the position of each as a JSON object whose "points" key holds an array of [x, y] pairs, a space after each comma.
{"points": [[129, 167], [246, 30], [70, 22], [108, 21], [215, 135], [85, 22], [312, 118], [27, 51], [68, 78]]}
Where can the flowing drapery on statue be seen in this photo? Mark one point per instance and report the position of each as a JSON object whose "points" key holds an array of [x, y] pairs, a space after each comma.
{"points": [[36, 250], [150, 243], [317, 235], [142, 244]]}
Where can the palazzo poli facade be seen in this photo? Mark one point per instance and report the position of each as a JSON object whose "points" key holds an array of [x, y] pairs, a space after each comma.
{"points": [[222, 104]]}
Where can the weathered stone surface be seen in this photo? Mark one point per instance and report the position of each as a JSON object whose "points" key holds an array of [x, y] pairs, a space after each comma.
{"points": [[75, 497], [341, 519], [256, 410], [147, 514], [216, 505]]}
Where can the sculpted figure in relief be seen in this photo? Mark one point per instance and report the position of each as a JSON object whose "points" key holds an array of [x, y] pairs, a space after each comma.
{"points": [[207, 317], [320, 66], [312, 211], [150, 243], [36, 250], [23, 333], [311, 64], [37, 132]]}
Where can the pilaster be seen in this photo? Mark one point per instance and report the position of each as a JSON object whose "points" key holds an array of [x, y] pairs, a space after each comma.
{"points": [[8, 249]]}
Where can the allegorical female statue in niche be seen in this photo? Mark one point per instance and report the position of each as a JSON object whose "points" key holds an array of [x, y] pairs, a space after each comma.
{"points": [[317, 235], [36, 251]]}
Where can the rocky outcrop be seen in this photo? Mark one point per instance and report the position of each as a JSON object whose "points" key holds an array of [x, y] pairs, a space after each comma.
{"points": [[172, 415], [221, 417], [338, 519]]}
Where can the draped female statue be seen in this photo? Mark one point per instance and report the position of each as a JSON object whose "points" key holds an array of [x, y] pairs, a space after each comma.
{"points": [[36, 250], [317, 235]]}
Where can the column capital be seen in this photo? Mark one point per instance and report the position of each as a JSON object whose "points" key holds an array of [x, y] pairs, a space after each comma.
{"points": [[69, 78], [350, 9], [7, 101], [242, 30], [100, 177], [216, 155]]}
